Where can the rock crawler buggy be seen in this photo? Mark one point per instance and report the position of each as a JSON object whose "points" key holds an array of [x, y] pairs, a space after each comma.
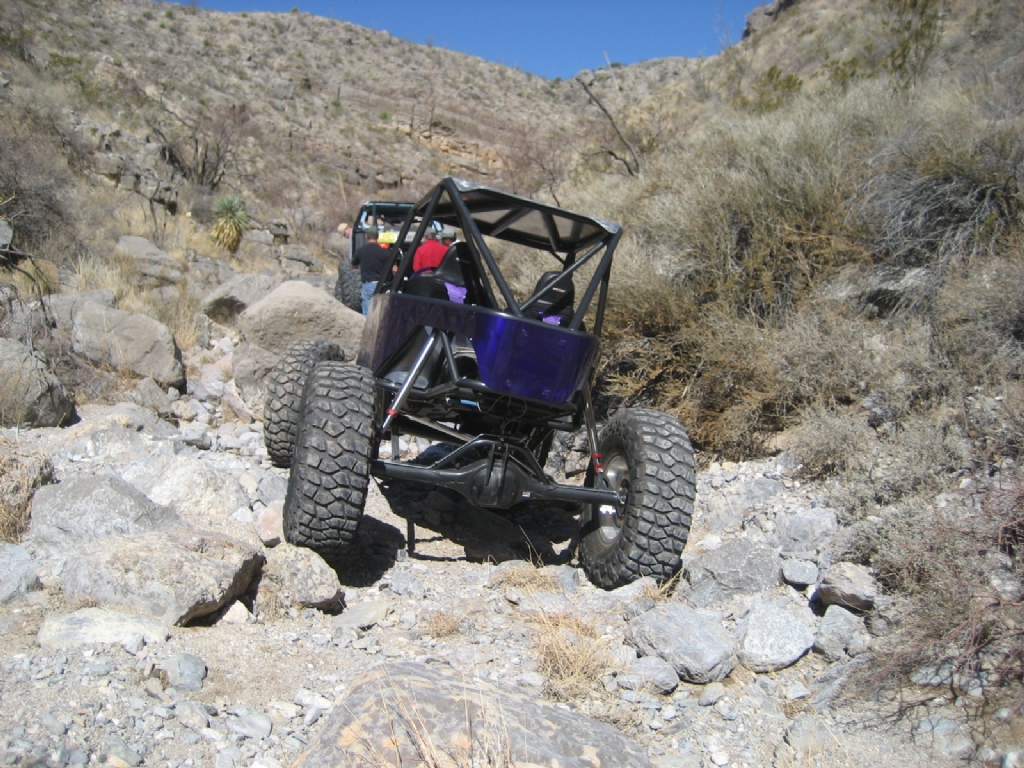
{"points": [[454, 356]]}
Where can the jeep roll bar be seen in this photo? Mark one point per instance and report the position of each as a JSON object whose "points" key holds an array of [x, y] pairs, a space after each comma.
{"points": [[573, 239]]}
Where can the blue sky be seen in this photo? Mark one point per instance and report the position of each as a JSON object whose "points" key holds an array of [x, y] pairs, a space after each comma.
{"points": [[551, 38]]}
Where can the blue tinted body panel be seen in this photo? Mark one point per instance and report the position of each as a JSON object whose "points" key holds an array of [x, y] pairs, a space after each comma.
{"points": [[525, 358]]}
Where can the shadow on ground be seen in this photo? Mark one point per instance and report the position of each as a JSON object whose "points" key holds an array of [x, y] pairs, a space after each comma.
{"points": [[542, 532]]}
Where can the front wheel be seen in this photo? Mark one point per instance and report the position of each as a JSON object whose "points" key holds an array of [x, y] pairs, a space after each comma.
{"points": [[648, 459], [331, 463], [284, 395]]}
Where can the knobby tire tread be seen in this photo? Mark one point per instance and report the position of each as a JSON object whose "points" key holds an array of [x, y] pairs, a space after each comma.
{"points": [[348, 287], [659, 508], [331, 461], [284, 395]]}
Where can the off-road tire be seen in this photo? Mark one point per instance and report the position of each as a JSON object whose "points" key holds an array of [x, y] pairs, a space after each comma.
{"points": [[331, 462], [646, 454], [349, 286], [284, 395]]}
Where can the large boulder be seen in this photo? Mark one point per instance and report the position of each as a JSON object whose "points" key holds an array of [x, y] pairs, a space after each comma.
{"points": [[226, 302], [204, 496], [841, 633], [62, 306], [725, 508], [296, 259], [296, 310], [150, 266], [127, 340], [175, 575], [252, 365], [738, 567], [30, 394], [697, 646], [207, 274], [295, 577], [805, 531], [392, 711], [67, 515], [774, 637], [17, 572]]}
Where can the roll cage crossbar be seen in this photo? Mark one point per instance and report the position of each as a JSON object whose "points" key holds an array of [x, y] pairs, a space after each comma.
{"points": [[572, 239]]}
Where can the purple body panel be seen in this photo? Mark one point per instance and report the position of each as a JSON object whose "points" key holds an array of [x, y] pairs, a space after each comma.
{"points": [[525, 358]]}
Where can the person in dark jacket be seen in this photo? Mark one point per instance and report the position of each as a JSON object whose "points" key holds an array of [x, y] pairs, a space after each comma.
{"points": [[371, 259]]}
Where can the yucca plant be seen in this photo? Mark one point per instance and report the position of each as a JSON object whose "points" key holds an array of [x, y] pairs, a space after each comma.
{"points": [[230, 220]]}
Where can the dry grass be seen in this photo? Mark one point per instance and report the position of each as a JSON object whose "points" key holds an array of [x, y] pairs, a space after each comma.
{"points": [[483, 743], [21, 474], [442, 623], [570, 654], [957, 567], [527, 578]]}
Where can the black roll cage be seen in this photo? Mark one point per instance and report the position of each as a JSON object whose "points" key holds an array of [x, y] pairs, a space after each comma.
{"points": [[573, 239]]}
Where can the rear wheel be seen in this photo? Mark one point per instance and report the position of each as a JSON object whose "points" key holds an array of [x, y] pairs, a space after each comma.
{"points": [[348, 288], [331, 463], [284, 395], [648, 458]]}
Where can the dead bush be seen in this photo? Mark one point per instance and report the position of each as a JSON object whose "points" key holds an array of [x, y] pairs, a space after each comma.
{"points": [[527, 578], [21, 474], [32, 179], [831, 443], [442, 624], [921, 456], [957, 562], [570, 654], [947, 193], [979, 319]]}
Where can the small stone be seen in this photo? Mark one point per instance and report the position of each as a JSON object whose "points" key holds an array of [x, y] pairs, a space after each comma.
{"points": [[312, 716], [184, 672], [361, 616], [252, 725], [711, 694], [135, 644], [797, 691], [237, 614], [52, 725], [307, 698], [848, 585], [192, 715], [799, 573]]}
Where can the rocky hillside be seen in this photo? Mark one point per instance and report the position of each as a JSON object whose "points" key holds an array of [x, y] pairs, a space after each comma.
{"points": [[303, 110]]}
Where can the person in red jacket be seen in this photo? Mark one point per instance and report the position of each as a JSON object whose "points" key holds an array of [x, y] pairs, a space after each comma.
{"points": [[430, 253]]}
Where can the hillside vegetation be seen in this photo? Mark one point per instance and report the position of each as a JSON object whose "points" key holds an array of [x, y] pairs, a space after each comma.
{"points": [[838, 259], [823, 229]]}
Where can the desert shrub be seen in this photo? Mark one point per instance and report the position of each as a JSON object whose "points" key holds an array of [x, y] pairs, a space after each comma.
{"points": [[946, 191], [21, 474], [32, 180], [527, 578], [831, 442], [956, 564], [442, 623], [230, 221], [570, 654], [979, 321]]}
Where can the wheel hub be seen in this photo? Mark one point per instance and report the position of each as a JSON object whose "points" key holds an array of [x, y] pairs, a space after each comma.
{"points": [[611, 518]]}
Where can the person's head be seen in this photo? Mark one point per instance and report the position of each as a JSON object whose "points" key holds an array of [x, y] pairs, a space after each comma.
{"points": [[430, 234], [371, 233], [447, 236]]}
